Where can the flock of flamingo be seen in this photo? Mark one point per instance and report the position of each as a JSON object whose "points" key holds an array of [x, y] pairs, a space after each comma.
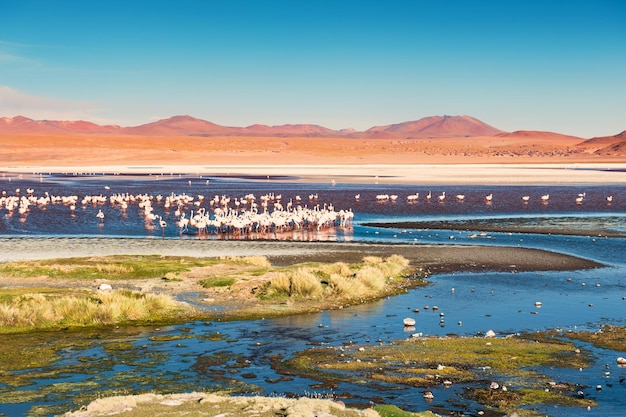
{"points": [[196, 214], [220, 214], [413, 198]]}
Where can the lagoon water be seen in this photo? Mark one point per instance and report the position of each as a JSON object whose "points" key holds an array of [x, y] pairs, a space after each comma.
{"points": [[210, 355]]}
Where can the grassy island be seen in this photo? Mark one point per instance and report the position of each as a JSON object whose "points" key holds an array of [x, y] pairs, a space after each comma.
{"points": [[143, 289]]}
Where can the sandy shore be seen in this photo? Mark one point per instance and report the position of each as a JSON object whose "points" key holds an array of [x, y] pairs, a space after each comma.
{"points": [[436, 258], [496, 174]]}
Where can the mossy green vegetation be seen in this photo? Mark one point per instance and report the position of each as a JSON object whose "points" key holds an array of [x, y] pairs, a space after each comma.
{"points": [[32, 356], [428, 362], [388, 410], [608, 337], [217, 282]]}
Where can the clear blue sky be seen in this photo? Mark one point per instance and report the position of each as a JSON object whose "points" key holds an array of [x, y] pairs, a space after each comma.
{"points": [[515, 64]]}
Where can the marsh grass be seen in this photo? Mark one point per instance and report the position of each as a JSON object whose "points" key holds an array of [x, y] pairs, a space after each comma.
{"points": [[259, 261], [301, 283], [339, 280], [44, 311], [510, 401]]}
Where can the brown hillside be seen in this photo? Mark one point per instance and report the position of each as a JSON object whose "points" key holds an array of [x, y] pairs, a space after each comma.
{"points": [[179, 126], [603, 141], [21, 124], [536, 135], [436, 126], [615, 149], [288, 129]]}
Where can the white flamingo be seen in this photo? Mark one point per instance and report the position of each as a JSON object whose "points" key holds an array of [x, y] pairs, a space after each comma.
{"points": [[412, 198], [183, 223], [580, 198]]}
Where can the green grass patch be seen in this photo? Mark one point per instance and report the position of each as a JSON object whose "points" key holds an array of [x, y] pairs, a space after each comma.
{"points": [[388, 410], [107, 267], [7, 295], [217, 281]]}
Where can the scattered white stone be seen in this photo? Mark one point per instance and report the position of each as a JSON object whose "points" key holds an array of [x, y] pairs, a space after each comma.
{"points": [[409, 322], [105, 287]]}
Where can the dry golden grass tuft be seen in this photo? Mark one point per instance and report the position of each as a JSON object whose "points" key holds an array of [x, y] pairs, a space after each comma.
{"points": [[91, 308], [260, 261], [338, 280]]}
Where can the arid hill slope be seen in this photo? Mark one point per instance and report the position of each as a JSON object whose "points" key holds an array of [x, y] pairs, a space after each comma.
{"points": [[608, 146]]}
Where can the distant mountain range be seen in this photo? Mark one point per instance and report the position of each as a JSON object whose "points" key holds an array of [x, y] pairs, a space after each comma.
{"points": [[434, 126], [427, 127]]}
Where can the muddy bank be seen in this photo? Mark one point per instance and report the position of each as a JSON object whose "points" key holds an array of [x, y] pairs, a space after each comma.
{"points": [[506, 226], [451, 258]]}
